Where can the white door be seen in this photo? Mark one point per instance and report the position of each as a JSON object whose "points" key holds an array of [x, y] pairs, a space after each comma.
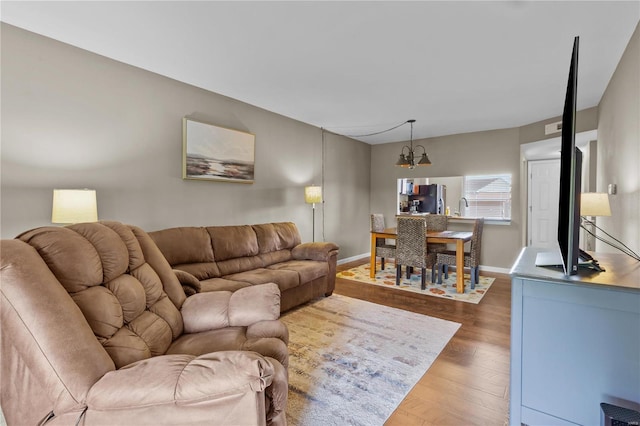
{"points": [[544, 191]]}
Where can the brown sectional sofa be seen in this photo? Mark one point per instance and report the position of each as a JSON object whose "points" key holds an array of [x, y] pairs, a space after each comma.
{"points": [[96, 329], [232, 257]]}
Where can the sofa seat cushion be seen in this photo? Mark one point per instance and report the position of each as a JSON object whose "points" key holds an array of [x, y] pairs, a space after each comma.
{"points": [[223, 339], [308, 270], [201, 271], [239, 264], [233, 339], [222, 284], [285, 279]]}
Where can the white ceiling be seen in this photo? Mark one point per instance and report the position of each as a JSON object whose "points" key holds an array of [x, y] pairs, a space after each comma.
{"points": [[360, 67]]}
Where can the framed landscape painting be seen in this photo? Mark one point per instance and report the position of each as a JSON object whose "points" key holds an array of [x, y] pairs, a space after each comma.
{"points": [[215, 153]]}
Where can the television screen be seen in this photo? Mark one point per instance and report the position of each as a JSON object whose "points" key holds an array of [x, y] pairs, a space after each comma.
{"points": [[570, 173]]}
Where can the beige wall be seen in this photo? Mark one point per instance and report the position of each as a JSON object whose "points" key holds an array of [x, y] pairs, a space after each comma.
{"points": [[619, 148], [73, 119]]}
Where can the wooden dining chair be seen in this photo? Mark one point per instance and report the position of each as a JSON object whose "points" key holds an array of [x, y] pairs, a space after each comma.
{"points": [[383, 249], [411, 249], [471, 258]]}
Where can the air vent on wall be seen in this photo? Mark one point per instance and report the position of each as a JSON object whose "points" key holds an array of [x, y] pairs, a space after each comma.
{"points": [[553, 128]]}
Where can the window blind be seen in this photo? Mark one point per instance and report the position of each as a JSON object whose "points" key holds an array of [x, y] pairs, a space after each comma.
{"points": [[489, 196]]}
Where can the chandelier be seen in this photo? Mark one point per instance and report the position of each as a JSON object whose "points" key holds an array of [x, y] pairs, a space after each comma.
{"points": [[408, 160]]}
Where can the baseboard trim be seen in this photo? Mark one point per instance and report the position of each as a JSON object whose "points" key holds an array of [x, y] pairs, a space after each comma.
{"points": [[353, 258], [495, 269], [482, 267]]}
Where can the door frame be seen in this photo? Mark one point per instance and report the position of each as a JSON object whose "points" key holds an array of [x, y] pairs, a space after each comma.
{"points": [[548, 149]]}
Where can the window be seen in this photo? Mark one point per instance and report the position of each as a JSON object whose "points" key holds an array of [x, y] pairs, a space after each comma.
{"points": [[489, 196]]}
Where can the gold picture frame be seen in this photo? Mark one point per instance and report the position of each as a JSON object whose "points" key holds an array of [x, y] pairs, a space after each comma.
{"points": [[216, 153]]}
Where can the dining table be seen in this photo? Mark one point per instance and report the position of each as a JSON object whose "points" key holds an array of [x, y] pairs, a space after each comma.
{"points": [[459, 238]]}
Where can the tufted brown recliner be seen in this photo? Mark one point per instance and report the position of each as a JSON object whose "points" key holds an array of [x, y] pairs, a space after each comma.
{"points": [[96, 329]]}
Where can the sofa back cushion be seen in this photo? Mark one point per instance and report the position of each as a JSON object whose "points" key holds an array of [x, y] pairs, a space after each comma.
{"points": [[184, 245], [276, 241], [235, 248], [230, 242], [277, 236], [103, 268]]}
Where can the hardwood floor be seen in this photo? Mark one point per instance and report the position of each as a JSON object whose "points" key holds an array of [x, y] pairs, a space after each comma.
{"points": [[468, 384]]}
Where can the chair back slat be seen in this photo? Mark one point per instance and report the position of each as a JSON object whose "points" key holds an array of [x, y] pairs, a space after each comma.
{"points": [[471, 259], [377, 222], [377, 225], [411, 245], [476, 242], [436, 222]]}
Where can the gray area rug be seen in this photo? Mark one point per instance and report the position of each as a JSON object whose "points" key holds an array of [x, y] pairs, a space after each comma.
{"points": [[352, 362]]}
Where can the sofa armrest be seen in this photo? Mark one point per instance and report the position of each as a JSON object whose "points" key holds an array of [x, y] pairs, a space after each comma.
{"points": [[321, 251], [178, 383], [219, 309], [190, 284]]}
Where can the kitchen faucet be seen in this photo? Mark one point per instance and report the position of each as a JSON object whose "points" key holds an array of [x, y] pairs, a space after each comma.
{"points": [[459, 211]]}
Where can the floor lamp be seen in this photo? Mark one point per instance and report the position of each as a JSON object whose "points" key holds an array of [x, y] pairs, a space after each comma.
{"points": [[313, 195]]}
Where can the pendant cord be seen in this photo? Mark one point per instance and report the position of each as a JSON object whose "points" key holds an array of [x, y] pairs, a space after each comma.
{"points": [[372, 134]]}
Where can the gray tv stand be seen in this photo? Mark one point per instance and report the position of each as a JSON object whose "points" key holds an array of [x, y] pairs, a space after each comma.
{"points": [[575, 341]]}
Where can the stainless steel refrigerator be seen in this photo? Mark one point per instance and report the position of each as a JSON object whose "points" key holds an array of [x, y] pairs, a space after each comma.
{"points": [[434, 201]]}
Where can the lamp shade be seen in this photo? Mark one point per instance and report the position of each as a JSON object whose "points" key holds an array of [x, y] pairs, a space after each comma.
{"points": [[594, 204], [402, 161], [312, 194], [74, 206], [424, 160]]}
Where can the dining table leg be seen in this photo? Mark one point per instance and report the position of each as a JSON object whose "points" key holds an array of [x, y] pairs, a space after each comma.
{"points": [[372, 272], [459, 266]]}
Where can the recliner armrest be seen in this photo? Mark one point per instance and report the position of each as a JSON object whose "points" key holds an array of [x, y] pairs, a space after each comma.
{"points": [[174, 384], [250, 305], [320, 251], [219, 309]]}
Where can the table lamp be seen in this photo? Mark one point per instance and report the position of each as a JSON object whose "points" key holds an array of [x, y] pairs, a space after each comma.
{"points": [[594, 204], [74, 206], [597, 204]]}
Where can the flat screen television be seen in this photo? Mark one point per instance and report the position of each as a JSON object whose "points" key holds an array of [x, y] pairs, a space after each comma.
{"points": [[570, 175]]}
